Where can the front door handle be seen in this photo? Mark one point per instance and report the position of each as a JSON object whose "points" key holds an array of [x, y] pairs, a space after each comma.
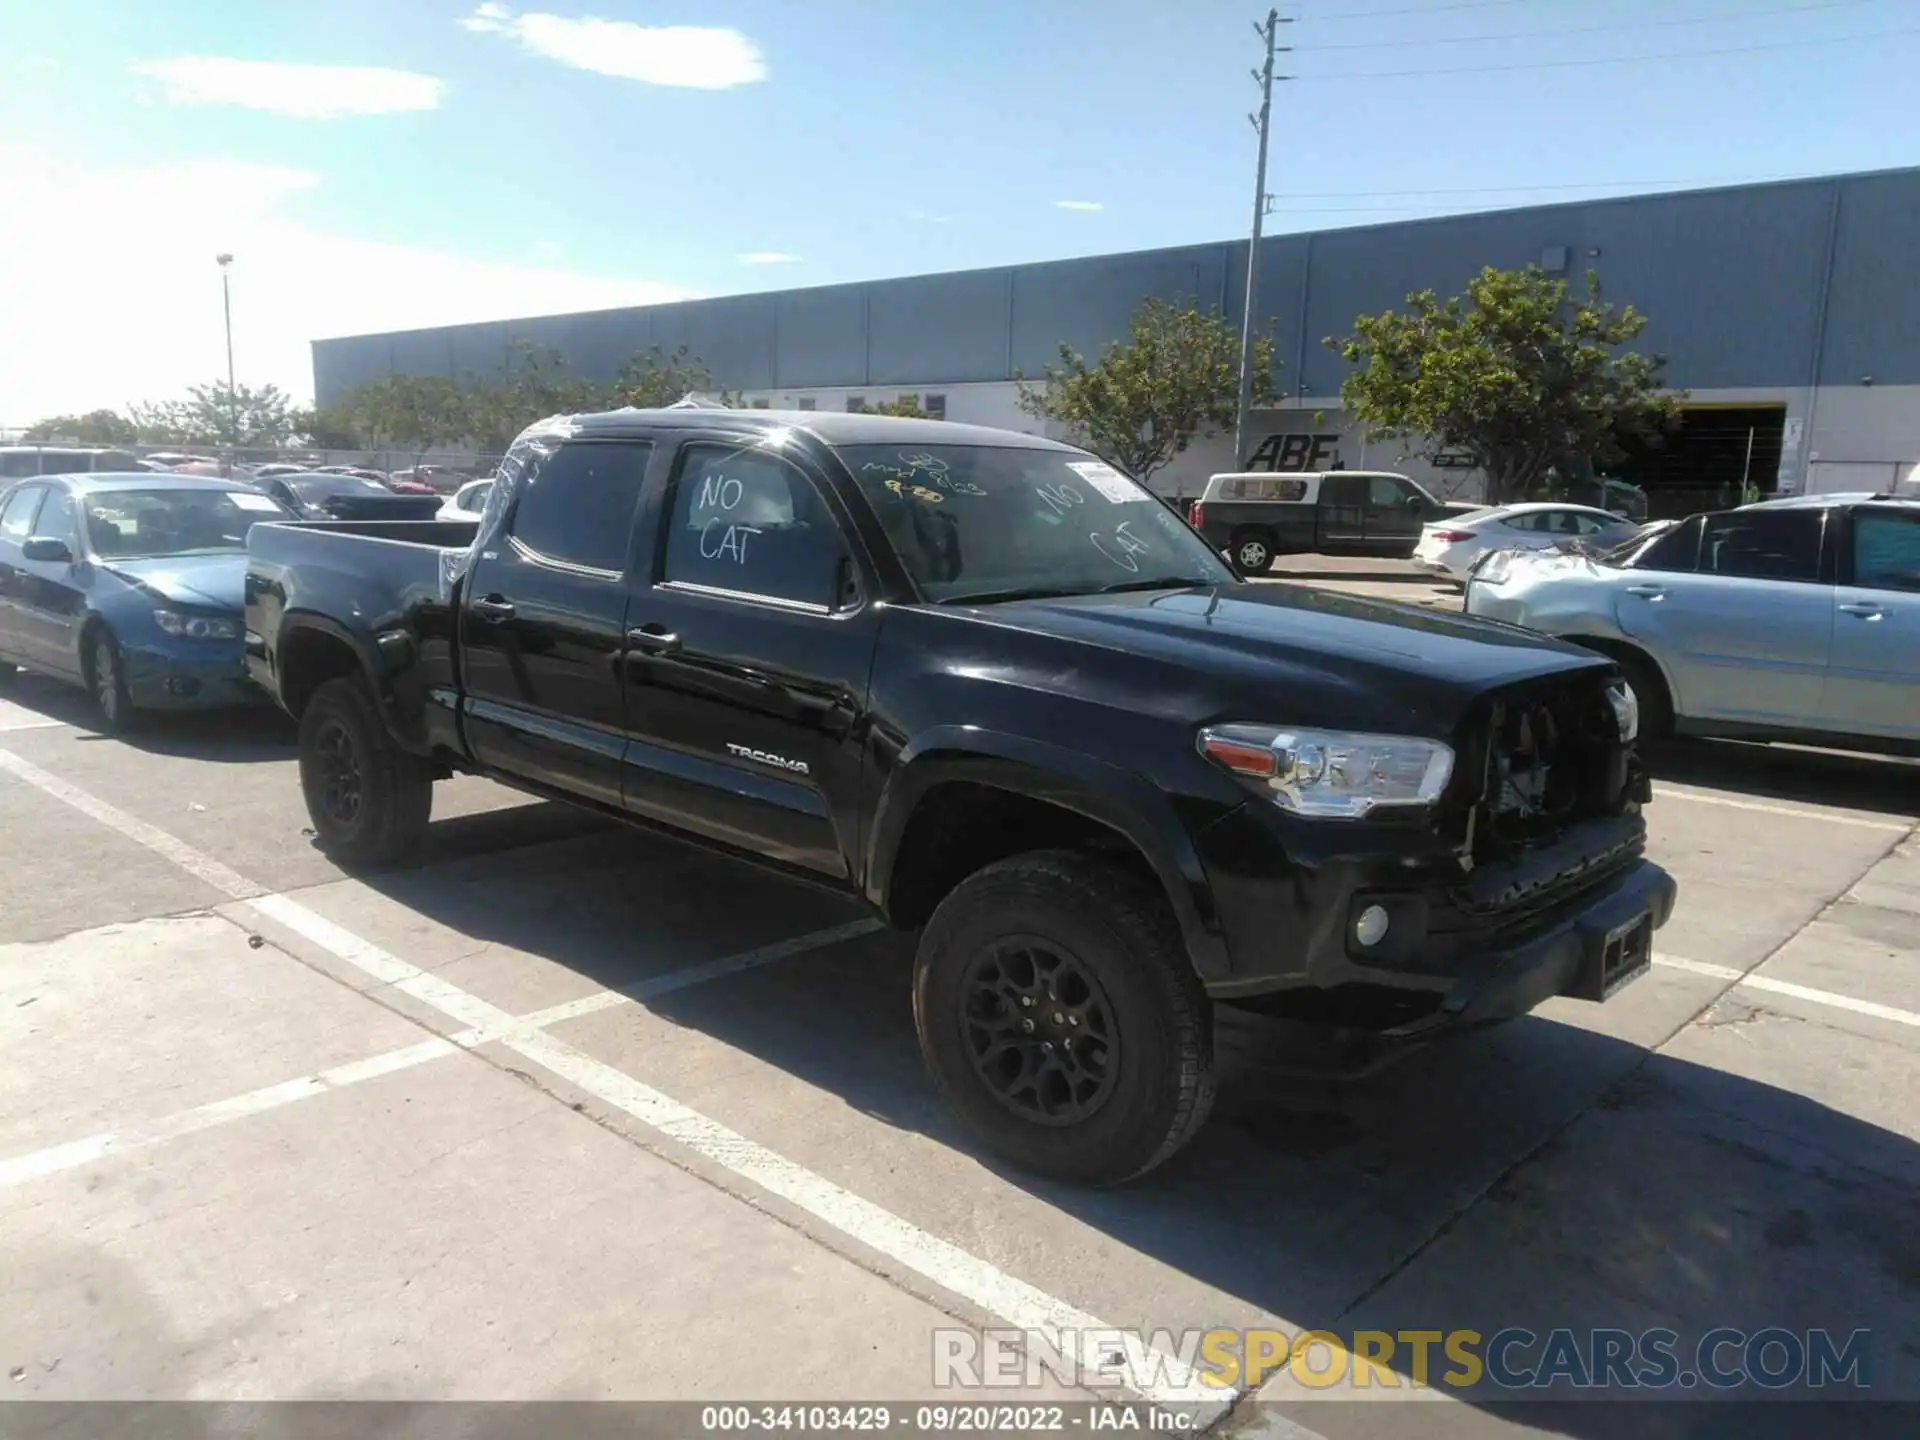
{"points": [[1648, 592], [492, 607], [654, 640], [1865, 609]]}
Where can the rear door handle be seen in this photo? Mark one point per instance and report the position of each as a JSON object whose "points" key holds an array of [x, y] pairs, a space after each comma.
{"points": [[654, 640], [1865, 609], [492, 607], [1648, 592]]}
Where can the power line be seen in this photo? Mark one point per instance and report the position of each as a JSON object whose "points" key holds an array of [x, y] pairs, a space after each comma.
{"points": [[1589, 29], [1610, 59], [1340, 17]]}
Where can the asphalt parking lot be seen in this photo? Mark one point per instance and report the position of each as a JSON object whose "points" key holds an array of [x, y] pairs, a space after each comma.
{"points": [[566, 1111]]}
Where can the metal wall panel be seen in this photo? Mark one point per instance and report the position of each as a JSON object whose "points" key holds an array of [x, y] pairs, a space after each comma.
{"points": [[938, 328], [1873, 309], [1732, 280]]}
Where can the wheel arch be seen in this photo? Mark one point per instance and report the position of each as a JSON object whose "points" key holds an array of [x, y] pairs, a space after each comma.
{"points": [[919, 844], [1627, 651]]}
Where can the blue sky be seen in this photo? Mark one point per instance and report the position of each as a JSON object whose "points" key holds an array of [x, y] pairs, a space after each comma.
{"points": [[480, 161]]}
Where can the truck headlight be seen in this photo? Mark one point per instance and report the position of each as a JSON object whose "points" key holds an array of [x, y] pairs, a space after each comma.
{"points": [[196, 627], [1626, 710], [1332, 774]]}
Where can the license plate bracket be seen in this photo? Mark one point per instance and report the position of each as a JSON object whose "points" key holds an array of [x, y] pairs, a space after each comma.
{"points": [[1625, 955]]}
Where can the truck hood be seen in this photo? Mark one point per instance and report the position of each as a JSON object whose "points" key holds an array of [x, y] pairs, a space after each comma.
{"points": [[208, 581], [1341, 656]]}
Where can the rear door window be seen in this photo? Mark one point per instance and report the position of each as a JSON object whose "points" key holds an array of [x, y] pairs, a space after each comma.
{"points": [[578, 506]]}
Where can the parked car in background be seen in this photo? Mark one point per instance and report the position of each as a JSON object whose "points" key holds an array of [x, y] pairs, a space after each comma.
{"points": [[1259, 516], [130, 585], [263, 472], [428, 479], [360, 470], [1774, 621], [317, 495], [1449, 547], [467, 502], [992, 687]]}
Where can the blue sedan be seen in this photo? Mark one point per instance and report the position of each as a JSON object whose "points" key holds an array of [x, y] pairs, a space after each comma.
{"points": [[130, 585]]}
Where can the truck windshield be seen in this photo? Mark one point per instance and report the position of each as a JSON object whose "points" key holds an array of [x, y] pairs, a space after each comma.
{"points": [[983, 522], [143, 524]]}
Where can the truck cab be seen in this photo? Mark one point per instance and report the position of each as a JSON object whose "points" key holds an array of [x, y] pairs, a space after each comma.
{"points": [[1258, 516]]}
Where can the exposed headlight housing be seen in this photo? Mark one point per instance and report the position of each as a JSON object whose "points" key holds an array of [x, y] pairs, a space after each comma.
{"points": [[196, 627], [1332, 774], [1626, 710]]}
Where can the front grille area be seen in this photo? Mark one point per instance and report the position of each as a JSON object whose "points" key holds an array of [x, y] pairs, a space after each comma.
{"points": [[1546, 757]]}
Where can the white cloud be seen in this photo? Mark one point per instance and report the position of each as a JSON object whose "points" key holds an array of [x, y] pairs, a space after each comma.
{"points": [[547, 249], [310, 92], [1078, 205], [769, 257], [697, 57], [109, 313]]}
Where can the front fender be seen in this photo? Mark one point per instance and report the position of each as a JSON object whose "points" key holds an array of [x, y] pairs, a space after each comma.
{"points": [[1119, 799]]}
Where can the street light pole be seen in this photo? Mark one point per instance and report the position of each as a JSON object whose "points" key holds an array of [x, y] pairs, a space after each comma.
{"points": [[233, 396], [1264, 78]]}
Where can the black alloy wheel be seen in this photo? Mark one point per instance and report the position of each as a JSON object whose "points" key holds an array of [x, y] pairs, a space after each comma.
{"points": [[1039, 1030]]}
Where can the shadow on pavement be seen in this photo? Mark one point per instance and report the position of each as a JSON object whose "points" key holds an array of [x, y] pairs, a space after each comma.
{"points": [[244, 735], [1549, 1175], [1884, 783]]}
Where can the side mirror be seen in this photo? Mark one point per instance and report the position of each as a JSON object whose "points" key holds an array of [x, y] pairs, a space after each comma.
{"points": [[47, 550]]}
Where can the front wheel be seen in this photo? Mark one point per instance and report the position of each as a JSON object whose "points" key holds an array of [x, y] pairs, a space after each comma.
{"points": [[1059, 1016], [369, 800], [107, 682]]}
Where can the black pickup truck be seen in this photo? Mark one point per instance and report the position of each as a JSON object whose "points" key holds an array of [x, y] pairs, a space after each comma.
{"points": [[993, 688]]}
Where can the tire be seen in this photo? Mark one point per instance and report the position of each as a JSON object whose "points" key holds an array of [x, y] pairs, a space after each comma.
{"points": [[106, 676], [368, 799], [1065, 929], [1253, 551]]}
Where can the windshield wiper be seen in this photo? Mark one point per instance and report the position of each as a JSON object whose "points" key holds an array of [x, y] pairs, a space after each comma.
{"points": [[1026, 592], [1058, 592], [1165, 582]]}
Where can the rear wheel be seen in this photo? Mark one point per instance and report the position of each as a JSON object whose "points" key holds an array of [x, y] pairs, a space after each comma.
{"points": [[1061, 1019], [369, 800], [1253, 551], [107, 682]]}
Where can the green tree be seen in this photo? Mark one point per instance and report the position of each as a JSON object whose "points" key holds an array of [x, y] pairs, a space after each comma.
{"points": [[1175, 377], [654, 378], [907, 405], [336, 427], [214, 414], [96, 427], [1517, 373], [408, 410]]}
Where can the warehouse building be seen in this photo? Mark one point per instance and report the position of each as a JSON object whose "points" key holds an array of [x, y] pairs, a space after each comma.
{"points": [[1789, 312]]}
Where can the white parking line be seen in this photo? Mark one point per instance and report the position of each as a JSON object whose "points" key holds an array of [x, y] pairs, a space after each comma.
{"points": [[21, 1168], [1787, 987], [1009, 1300], [18, 717], [1663, 789]]}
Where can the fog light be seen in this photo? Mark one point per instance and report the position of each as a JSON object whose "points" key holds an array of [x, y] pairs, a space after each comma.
{"points": [[184, 685], [1371, 928]]}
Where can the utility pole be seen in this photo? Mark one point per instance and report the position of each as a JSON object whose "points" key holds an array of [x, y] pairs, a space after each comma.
{"points": [[225, 260], [1263, 77]]}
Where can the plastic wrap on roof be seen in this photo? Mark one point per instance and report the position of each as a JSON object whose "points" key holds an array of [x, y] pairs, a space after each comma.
{"points": [[698, 400]]}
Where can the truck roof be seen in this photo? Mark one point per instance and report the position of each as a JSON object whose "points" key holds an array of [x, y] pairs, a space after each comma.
{"points": [[833, 427]]}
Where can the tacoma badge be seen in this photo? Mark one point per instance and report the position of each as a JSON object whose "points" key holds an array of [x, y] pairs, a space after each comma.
{"points": [[798, 767]]}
